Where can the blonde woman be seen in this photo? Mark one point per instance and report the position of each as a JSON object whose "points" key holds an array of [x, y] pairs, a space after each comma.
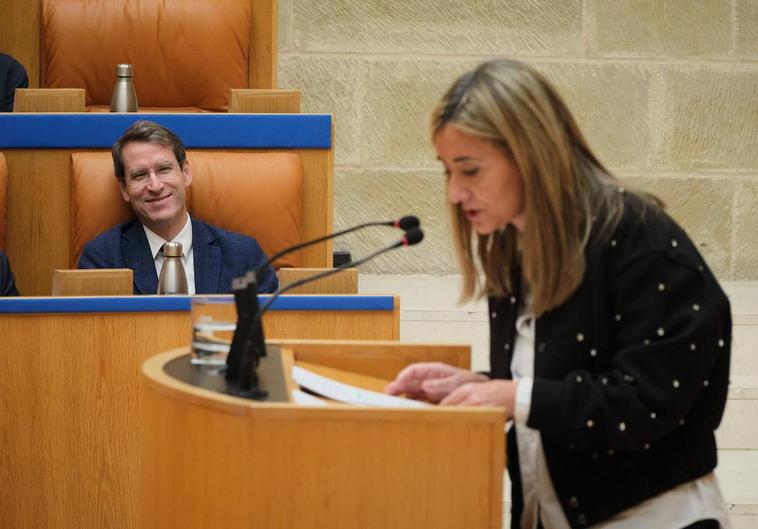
{"points": [[610, 337]]}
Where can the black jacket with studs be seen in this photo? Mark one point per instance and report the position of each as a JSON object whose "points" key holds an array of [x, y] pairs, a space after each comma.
{"points": [[630, 373]]}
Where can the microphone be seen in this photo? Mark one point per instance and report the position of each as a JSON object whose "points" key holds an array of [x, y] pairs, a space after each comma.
{"points": [[407, 222], [404, 223], [243, 360], [246, 302], [413, 236]]}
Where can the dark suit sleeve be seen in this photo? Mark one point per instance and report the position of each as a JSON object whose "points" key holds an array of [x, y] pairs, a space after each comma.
{"points": [[267, 278], [91, 258], [7, 279], [672, 340], [12, 75]]}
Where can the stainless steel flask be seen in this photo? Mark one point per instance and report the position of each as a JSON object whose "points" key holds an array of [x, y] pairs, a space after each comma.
{"points": [[124, 98], [173, 278]]}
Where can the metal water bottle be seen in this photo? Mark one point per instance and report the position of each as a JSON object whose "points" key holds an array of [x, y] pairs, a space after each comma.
{"points": [[173, 279], [124, 98]]}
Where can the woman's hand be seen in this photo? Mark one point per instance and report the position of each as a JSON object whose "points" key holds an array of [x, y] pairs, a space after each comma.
{"points": [[431, 381], [501, 393]]}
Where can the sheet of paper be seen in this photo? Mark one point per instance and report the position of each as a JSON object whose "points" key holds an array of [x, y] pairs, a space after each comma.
{"points": [[349, 394], [301, 398]]}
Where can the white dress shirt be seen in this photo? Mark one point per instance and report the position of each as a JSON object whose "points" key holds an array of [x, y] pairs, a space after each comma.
{"points": [[184, 237], [695, 500]]}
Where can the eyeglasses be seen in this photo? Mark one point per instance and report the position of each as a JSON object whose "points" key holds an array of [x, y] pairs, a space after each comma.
{"points": [[163, 172]]}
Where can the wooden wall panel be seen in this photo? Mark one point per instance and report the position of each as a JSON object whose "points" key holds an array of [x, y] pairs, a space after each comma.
{"points": [[264, 44], [19, 34], [38, 216]]}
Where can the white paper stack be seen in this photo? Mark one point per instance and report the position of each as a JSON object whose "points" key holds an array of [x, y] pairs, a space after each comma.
{"points": [[346, 393]]}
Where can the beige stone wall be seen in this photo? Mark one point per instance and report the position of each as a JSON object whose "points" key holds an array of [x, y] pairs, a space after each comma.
{"points": [[665, 90]]}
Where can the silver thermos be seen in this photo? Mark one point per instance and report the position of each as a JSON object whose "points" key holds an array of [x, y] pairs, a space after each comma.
{"points": [[173, 279], [124, 98]]}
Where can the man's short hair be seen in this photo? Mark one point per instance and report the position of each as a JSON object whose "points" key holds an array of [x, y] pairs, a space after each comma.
{"points": [[147, 132]]}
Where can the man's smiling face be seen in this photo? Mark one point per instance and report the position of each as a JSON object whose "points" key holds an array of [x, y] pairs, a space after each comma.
{"points": [[155, 185]]}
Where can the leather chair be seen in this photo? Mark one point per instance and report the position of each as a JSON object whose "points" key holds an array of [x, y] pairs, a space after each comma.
{"points": [[257, 194], [3, 200], [187, 55]]}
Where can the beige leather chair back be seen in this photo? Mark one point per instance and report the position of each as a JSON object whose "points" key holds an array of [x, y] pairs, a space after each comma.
{"points": [[186, 55]]}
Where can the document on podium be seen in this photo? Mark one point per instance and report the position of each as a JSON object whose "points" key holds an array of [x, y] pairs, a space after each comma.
{"points": [[301, 398], [341, 392]]}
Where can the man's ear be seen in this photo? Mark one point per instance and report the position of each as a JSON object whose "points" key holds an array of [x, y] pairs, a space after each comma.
{"points": [[187, 172], [122, 190]]}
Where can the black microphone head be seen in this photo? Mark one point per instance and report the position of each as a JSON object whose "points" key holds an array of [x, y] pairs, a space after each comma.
{"points": [[413, 236], [407, 222]]}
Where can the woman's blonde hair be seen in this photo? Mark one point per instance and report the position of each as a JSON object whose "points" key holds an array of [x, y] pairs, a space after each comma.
{"points": [[565, 185]]}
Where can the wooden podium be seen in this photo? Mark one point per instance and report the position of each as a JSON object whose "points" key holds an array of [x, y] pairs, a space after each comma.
{"points": [[212, 460]]}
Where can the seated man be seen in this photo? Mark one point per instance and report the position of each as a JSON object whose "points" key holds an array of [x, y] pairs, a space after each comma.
{"points": [[7, 280], [153, 175]]}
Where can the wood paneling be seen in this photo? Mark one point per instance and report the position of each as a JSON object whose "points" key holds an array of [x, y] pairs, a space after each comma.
{"points": [[19, 34], [382, 360], [264, 44], [38, 216]]}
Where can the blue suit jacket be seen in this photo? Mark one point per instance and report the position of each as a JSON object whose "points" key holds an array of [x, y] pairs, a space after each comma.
{"points": [[219, 256]]}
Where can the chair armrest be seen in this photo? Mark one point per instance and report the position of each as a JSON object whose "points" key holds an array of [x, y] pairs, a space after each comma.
{"points": [[49, 100], [256, 101], [344, 282], [103, 282]]}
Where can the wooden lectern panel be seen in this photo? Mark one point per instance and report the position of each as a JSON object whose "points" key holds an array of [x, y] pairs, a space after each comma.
{"points": [[210, 460], [383, 359]]}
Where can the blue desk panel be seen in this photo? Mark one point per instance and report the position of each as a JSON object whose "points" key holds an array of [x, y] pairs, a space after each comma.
{"points": [[183, 303], [100, 130]]}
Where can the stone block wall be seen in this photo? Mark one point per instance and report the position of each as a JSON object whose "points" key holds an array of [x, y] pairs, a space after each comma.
{"points": [[666, 92]]}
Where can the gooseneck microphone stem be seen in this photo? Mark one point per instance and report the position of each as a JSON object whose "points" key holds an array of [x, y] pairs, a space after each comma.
{"points": [[405, 223], [316, 241], [320, 275], [413, 236], [248, 344]]}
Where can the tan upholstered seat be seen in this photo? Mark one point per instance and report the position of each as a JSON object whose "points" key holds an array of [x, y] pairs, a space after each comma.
{"points": [[257, 194], [3, 200], [186, 55]]}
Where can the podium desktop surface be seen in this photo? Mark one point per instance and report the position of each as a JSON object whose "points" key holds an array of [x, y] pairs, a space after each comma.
{"points": [[69, 376]]}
